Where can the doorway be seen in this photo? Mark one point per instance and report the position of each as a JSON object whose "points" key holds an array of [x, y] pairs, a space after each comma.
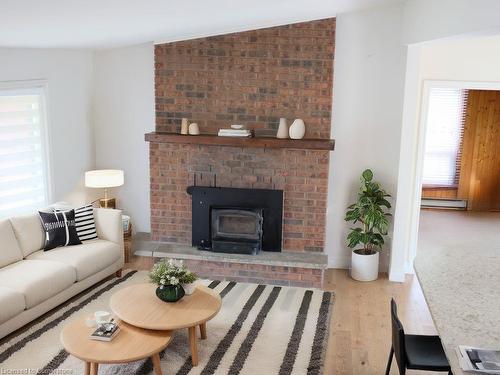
{"points": [[407, 213], [461, 160]]}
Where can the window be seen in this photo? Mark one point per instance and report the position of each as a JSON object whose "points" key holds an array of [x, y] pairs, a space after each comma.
{"points": [[445, 126], [23, 152]]}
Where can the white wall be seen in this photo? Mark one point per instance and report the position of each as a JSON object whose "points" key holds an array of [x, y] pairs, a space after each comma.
{"points": [[471, 59], [123, 113], [68, 74], [428, 20], [367, 108], [405, 214], [467, 63]]}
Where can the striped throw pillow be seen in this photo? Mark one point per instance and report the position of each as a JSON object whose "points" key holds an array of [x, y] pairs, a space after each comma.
{"points": [[85, 224]]}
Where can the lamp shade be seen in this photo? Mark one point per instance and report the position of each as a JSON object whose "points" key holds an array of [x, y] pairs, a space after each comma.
{"points": [[104, 178]]}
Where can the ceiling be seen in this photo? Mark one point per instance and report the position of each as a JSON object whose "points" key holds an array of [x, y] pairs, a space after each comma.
{"points": [[112, 23]]}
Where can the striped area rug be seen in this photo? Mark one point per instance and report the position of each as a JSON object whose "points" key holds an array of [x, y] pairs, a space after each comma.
{"points": [[261, 329]]}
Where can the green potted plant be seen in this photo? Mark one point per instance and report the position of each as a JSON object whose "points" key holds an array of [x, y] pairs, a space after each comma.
{"points": [[174, 280], [167, 275], [371, 214]]}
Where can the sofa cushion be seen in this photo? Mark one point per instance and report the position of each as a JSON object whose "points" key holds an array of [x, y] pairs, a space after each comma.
{"points": [[29, 233], [88, 258], [9, 250], [12, 303], [37, 280]]}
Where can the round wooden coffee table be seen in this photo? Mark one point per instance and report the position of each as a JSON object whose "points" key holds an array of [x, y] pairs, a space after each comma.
{"points": [[130, 344], [138, 305]]}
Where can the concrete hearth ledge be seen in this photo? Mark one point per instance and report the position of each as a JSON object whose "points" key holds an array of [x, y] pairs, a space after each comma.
{"points": [[143, 246]]}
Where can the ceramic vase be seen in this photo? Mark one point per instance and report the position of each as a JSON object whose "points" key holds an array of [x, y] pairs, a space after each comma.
{"points": [[170, 293], [184, 126], [282, 129], [194, 129], [297, 129], [189, 288]]}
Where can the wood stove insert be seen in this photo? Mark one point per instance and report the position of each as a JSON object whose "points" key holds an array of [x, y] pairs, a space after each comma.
{"points": [[232, 220]]}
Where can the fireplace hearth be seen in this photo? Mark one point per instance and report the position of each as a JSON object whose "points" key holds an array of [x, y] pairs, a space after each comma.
{"points": [[232, 220]]}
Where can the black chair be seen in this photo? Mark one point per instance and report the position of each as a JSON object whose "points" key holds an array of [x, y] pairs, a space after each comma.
{"points": [[415, 352]]}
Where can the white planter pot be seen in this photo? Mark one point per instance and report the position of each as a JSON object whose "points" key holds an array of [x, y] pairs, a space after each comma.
{"points": [[189, 288], [364, 267]]}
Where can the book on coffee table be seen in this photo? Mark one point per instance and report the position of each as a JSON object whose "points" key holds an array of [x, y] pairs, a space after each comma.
{"points": [[105, 332]]}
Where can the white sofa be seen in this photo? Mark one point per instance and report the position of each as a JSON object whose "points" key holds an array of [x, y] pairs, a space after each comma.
{"points": [[33, 281]]}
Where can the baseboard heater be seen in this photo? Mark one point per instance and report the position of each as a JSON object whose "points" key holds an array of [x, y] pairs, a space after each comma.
{"points": [[450, 204]]}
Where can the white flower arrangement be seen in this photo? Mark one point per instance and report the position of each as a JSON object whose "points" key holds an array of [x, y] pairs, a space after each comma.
{"points": [[170, 273]]}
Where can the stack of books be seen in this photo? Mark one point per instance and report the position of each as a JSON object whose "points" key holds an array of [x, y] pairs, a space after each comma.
{"points": [[239, 133], [105, 332]]}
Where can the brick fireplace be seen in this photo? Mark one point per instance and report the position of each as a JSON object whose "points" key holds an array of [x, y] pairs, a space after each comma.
{"points": [[301, 174], [251, 78]]}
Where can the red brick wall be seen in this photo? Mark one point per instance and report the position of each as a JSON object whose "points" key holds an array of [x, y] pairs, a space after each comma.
{"points": [[251, 78], [303, 176], [257, 273]]}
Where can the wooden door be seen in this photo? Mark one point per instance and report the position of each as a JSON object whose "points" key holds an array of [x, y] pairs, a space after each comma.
{"points": [[480, 168]]}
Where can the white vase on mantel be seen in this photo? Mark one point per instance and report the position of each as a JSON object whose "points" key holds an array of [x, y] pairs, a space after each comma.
{"points": [[193, 129], [297, 129], [282, 129]]}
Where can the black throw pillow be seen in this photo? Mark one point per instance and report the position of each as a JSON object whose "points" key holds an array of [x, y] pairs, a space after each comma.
{"points": [[60, 229]]}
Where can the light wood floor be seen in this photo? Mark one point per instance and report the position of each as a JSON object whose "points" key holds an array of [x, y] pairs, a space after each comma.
{"points": [[360, 331], [359, 340]]}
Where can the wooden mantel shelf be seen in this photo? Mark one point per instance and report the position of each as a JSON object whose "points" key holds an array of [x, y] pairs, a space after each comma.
{"points": [[259, 142]]}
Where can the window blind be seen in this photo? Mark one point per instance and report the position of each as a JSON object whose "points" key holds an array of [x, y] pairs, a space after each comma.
{"points": [[23, 165], [445, 128]]}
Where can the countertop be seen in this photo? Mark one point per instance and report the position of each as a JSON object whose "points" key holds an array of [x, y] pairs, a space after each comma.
{"points": [[458, 267]]}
